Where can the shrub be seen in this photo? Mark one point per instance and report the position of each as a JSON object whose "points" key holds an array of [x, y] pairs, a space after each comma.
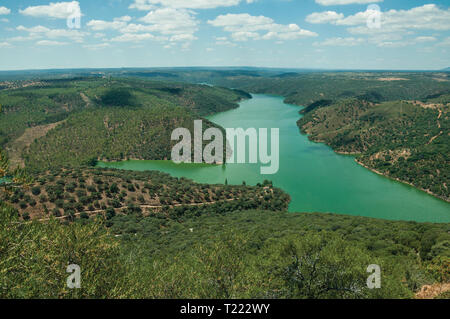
{"points": [[36, 190]]}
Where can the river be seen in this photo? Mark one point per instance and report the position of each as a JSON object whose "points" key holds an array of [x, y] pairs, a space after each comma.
{"points": [[318, 179]]}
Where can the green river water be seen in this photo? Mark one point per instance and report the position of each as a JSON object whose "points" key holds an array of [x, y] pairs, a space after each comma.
{"points": [[317, 179]]}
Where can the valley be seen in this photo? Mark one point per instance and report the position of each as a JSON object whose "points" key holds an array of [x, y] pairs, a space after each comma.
{"points": [[97, 186]]}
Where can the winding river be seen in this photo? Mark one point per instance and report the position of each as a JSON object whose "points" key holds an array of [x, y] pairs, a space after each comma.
{"points": [[317, 179]]}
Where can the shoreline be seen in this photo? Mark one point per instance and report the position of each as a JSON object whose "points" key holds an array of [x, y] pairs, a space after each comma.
{"points": [[401, 181], [378, 172]]}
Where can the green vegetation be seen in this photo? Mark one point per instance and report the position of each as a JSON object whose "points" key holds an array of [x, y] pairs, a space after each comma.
{"points": [[68, 193], [308, 87], [117, 97], [110, 135], [34, 257], [179, 249], [149, 235], [258, 254]]}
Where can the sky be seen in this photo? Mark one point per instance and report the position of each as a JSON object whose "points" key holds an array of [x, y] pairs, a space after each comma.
{"points": [[322, 34]]}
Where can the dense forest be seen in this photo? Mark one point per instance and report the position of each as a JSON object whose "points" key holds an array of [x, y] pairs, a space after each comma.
{"points": [[110, 134], [234, 254]]}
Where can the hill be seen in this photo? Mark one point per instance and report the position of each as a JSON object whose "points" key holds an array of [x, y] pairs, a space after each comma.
{"points": [[304, 88], [405, 140], [111, 119], [110, 135], [86, 192]]}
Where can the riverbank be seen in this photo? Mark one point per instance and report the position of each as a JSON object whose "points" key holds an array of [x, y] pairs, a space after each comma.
{"points": [[401, 181], [381, 173], [391, 152]]}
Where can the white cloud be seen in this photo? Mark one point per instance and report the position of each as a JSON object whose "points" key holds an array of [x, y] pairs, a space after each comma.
{"points": [[36, 29], [50, 43], [5, 45], [426, 17], [344, 42], [392, 44], [445, 42], [343, 2], [163, 24], [324, 17], [178, 24], [381, 40], [4, 11], [135, 28], [124, 18], [224, 41], [58, 10], [99, 35], [185, 37], [116, 24], [395, 24], [244, 26], [21, 38], [425, 39], [97, 46], [131, 37], [41, 32], [146, 5]]}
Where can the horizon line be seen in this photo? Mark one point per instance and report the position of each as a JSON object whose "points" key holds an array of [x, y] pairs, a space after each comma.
{"points": [[231, 66]]}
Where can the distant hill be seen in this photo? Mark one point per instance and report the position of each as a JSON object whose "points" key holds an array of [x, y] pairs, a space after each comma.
{"points": [[286, 75], [446, 69]]}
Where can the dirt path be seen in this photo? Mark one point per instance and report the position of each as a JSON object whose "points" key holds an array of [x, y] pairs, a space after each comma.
{"points": [[86, 99], [439, 126], [16, 148], [94, 212], [432, 291]]}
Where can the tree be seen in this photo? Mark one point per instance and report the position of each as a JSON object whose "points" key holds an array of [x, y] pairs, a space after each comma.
{"points": [[110, 213], [324, 266], [114, 188], [36, 190], [4, 163]]}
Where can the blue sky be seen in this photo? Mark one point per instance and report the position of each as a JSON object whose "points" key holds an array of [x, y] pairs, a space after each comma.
{"points": [[336, 34]]}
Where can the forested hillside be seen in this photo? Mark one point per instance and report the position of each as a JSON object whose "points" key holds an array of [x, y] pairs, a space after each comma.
{"points": [[86, 192], [406, 140], [306, 88], [110, 134], [101, 118]]}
